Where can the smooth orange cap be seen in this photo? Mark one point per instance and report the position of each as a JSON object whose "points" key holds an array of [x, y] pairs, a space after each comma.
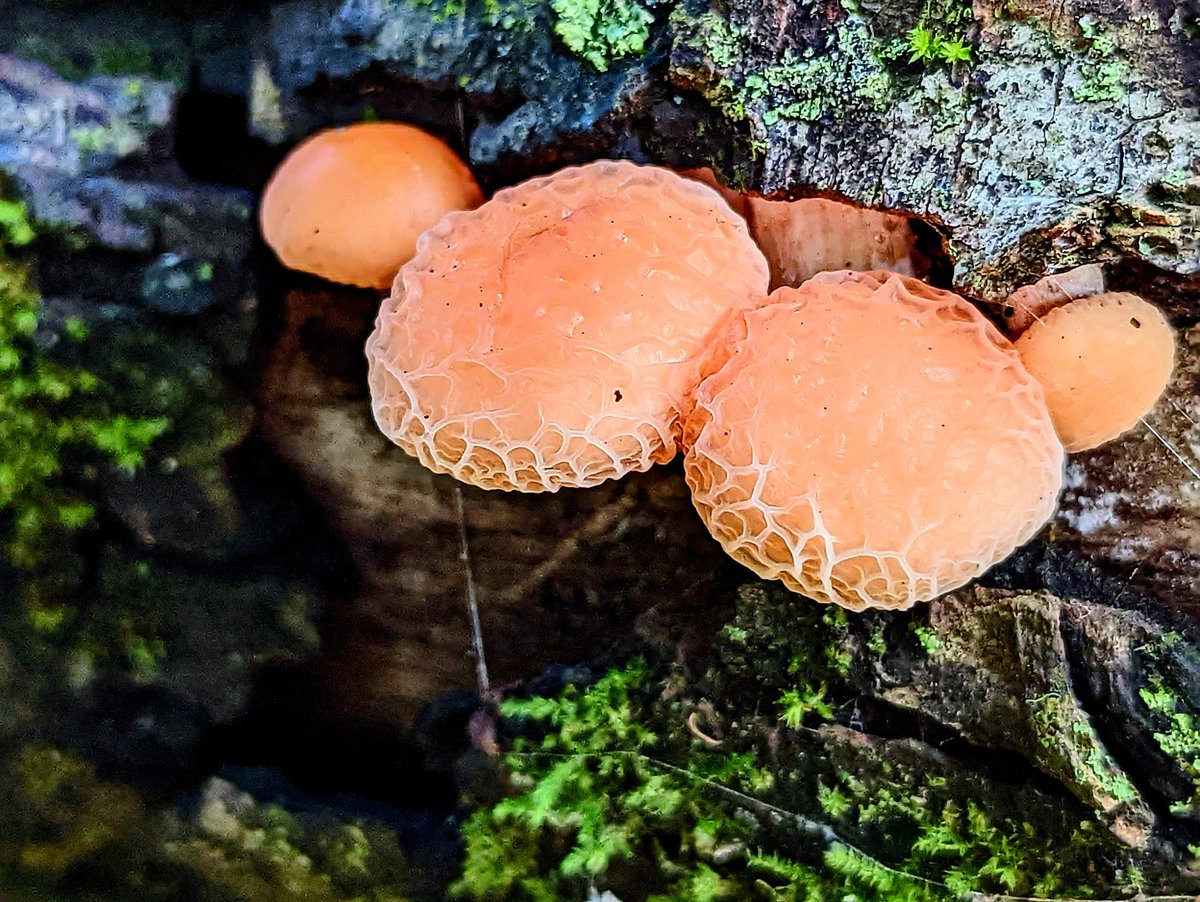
{"points": [[1103, 360], [348, 204]]}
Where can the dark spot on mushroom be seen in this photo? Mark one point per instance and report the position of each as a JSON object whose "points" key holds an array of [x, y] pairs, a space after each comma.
{"points": [[617, 395], [1133, 321]]}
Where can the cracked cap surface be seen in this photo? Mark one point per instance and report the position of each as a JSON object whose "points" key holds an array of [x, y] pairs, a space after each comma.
{"points": [[870, 441], [550, 338]]}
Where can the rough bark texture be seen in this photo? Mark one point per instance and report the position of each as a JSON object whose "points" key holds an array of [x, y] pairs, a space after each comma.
{"points": [[1031, 157], [1071, 135]]}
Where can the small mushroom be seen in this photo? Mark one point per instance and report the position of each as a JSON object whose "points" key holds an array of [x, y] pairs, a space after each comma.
{"points": [[348, 204], [870, 441], [801, 238], [550, 338], [1025, 305], [1103, 361]]}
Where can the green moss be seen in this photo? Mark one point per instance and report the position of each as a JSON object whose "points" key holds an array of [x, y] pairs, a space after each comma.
{"points": [[57, 813], [64, 828], [608, 793], [48, 413], [601, 32], [939, 35], [796, 704]]}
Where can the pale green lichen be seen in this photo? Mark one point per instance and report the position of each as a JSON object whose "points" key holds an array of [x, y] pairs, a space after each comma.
{"points": [[802, 86], [1103, 77], [601, 32], [508, 15]]}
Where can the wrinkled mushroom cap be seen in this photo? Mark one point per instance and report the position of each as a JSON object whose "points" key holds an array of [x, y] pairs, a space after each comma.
{"points": [[1103, 361], [550, 337], [348, 204], [870, 441]]}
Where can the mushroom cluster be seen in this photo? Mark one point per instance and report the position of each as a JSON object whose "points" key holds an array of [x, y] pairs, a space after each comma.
{"points": [[865, 438]]}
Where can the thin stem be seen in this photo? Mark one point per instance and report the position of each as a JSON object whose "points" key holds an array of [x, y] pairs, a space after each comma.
{"points": [[464, 555]]}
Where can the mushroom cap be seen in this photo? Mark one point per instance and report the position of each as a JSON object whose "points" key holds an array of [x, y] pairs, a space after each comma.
{"points": [[870, 441], [550, 338], [348, 204], [801, 238], [1029, 303], [1103, 361]]}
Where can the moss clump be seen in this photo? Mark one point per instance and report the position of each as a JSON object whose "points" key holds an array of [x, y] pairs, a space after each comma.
{"points": [[940, 34], [264, 853], [640, 786], [58, 814], [49, 413], [67, 833], [601, 32]]}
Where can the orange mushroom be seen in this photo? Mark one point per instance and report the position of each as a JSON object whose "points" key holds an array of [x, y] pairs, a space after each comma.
{"points": [[348, 204], [870, 441], [550, 338], [1030, 302], [801, 238], [1103, 360]]}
